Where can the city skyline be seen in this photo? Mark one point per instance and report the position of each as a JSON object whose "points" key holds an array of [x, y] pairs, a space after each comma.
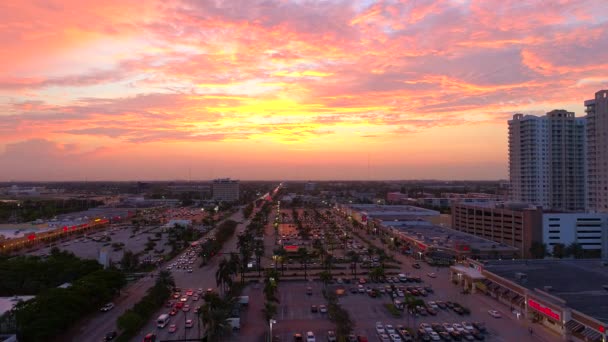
{"points": [[259, 90]]}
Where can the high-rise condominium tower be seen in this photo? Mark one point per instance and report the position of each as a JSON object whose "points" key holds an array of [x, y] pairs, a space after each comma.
{"points": [[597, 152], [547, 160]]}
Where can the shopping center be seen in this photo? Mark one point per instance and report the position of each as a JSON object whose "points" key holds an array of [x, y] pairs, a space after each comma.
{"points": [[569, 297]]}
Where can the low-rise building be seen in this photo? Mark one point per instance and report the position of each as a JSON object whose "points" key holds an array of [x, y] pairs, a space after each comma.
{"points": [[588, 230], [226, 189], [441, 245], [566, 296], [514, 224]]}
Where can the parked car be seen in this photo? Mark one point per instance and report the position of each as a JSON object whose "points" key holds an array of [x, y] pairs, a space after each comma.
{"points": [[172, 328], [416, 266], [313, 308], [310, 337], [331, 336], [379, 328]]}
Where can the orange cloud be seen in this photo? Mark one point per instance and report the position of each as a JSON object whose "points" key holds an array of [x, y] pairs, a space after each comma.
{"points": [[265, 78]]}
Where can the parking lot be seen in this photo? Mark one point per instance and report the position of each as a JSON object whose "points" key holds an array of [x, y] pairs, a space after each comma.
{"points": [[454, 316], [88, 248]]}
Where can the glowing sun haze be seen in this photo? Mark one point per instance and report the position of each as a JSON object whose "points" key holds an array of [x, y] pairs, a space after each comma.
{"points": [[285, 89]]}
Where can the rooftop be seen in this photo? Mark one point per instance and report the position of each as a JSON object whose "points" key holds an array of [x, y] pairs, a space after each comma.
{"points": [[515, 206], [583, 284], [382, 210], [442, 237]]}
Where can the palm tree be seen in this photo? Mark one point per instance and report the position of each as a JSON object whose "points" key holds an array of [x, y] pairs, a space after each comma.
{"points": [[280, 253], [259, 253], [328, 262], [165, 278], [303, 254], [354, 258], [223, 275], [325, 277], [234, 264], [214, 316], [269, 310]]}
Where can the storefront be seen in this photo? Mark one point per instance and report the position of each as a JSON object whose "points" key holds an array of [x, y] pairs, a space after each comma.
{"points": [[581, 327], [546, 312]]}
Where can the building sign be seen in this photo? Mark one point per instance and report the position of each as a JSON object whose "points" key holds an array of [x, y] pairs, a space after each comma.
{"points": [[291, 248], [543, 309]]}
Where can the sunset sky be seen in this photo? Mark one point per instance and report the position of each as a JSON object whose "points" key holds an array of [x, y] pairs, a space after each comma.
{"points": [[285, 89]]}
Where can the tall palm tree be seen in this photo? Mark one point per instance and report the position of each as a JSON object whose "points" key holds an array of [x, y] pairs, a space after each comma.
{"points": [[280, 252], [303, 254], [214, 316], [259, 253], [234, 265], [325, 277], [354, 258], [165, 278], [328, 262], [223, 275]]}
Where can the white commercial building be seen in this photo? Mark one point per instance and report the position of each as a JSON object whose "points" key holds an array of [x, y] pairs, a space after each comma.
{"points": [[226, 189], [589, 230]]}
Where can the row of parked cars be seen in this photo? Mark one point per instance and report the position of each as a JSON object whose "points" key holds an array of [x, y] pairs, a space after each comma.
{"points": [[466, 331], [388, 333], [434, 307]]}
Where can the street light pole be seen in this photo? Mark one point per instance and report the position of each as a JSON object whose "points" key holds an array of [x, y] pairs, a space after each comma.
{"points": [[271, 322]]}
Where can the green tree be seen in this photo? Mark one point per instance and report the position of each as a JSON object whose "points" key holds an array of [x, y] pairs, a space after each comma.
{"points": [[129, 261], [269, 310], [303, 254], [223, 275], [559, 250], [538, 250], [259, 253], [354, 259], [575, 250], [325, 277], [130, 322], [376, 273], [214, 315]]}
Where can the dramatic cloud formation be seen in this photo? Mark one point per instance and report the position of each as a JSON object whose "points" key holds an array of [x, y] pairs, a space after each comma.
{"points": [[263, 89]]}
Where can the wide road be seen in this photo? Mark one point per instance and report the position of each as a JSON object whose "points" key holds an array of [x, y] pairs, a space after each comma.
{"points": [[96, 328], [200, 278]]}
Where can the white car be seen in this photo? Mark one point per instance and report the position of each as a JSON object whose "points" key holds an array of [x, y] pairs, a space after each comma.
{"points": [[458, 327], [384, 338], [189, 323], [389, 329], [448, 327], [379, 328], [433, 305], [434, 336], [468, 326], [494, 313], [432, 275], [395, 338], [310, 337]]}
